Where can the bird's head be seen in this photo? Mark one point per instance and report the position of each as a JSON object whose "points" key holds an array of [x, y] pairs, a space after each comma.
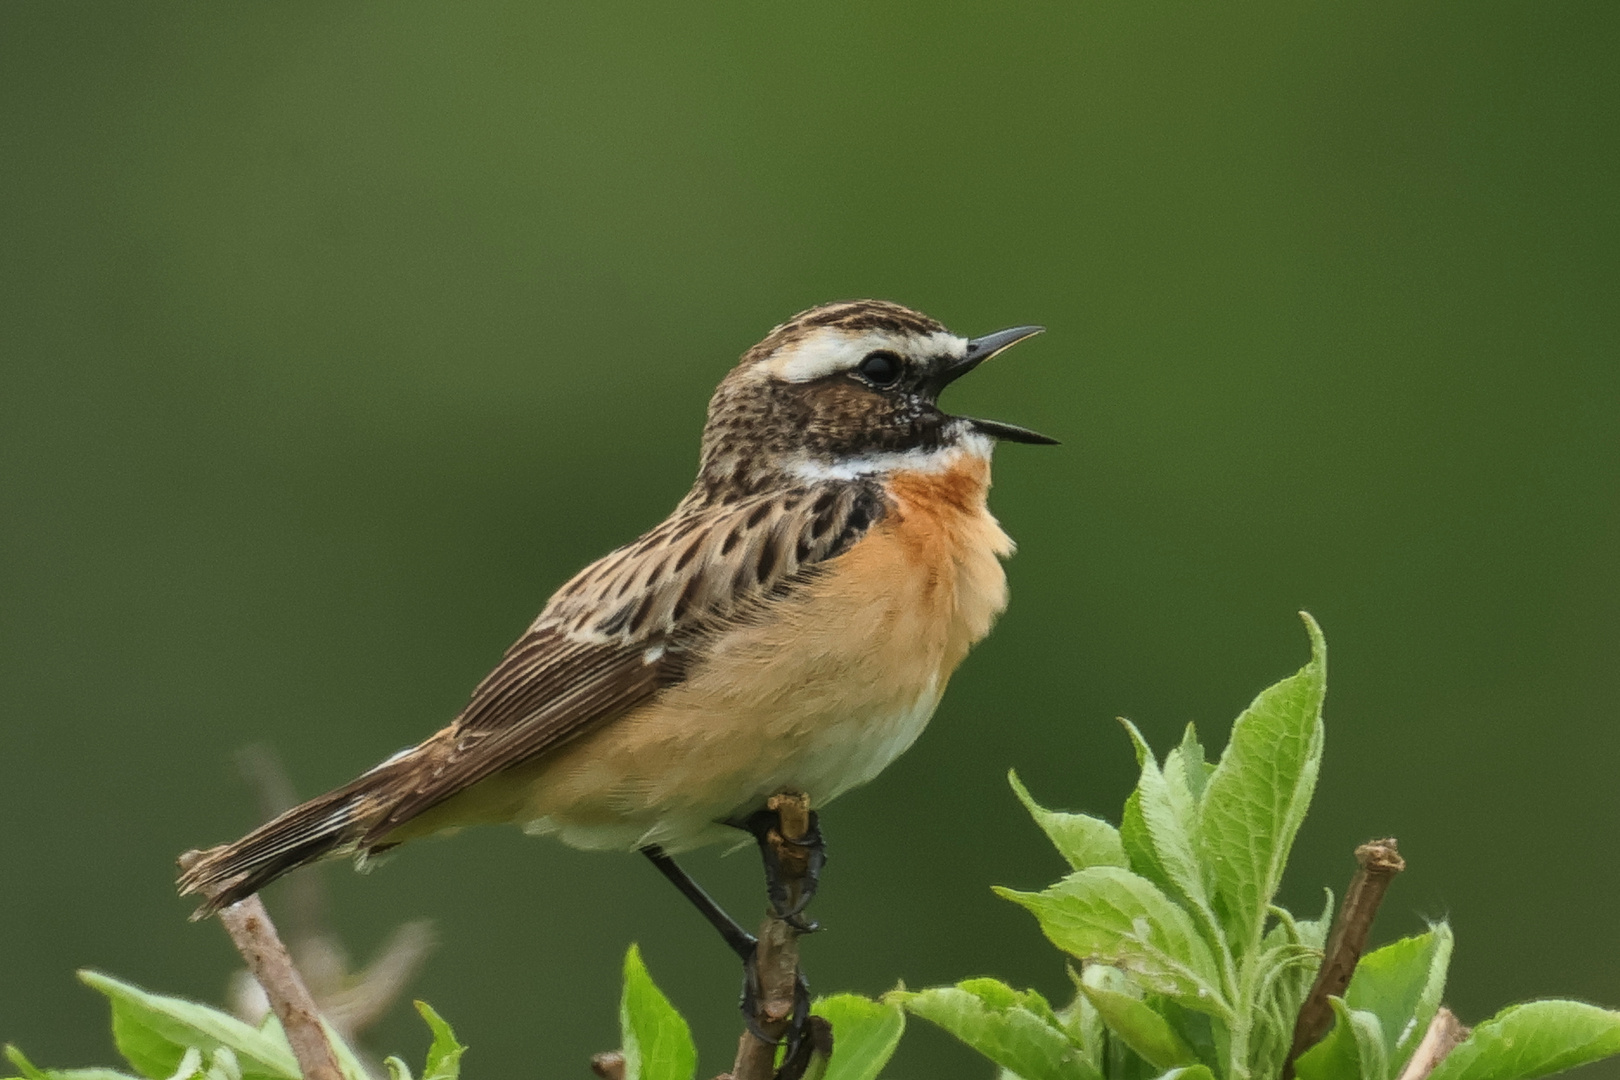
{"points": [[845, 390]]}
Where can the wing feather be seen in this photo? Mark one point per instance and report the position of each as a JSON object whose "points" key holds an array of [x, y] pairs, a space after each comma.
{"points": [[611, 638], [629, 624]]}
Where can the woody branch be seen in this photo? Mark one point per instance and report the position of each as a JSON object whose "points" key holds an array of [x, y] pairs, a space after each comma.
{"points": [[1377, 863], [776, 962]]}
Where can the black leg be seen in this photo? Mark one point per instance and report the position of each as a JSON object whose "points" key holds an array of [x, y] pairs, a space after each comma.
{"points": [[741, 941], [789, 902]]}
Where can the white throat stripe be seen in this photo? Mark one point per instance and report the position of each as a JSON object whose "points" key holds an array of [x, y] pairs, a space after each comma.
{"points": [[939, 459]]}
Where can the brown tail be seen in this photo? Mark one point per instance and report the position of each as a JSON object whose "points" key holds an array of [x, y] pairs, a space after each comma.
{"points": [[332, 824]]}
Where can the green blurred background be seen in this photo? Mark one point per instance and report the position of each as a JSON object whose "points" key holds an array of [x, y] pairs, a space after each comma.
{"points": [[335, 336]]}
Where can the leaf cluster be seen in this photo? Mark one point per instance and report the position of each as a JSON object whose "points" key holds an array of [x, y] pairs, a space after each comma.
{"points": [[657, 1043], [170, 1038], [1190, 971], [1187, 969]]}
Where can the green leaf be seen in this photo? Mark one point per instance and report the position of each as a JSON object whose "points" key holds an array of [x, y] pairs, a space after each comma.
{"points": [[1281, 974], [657, 1042], [1353, 1050], [153, 1032], [19, 1059], [1143, 1030], [1138, 843], [1084, 1022], [865, 1033], [191, 1066], [1118, 918], [397, 1069], [1258, 794], [1525, 1041], [1189, 1072], [226, 1067], [32, 1072], [1169, 819], [444, 1053], [1187, 762], [1017, 1031], [1313, 932], [1401, 984], [1081, 839], [75, 1074], [1196, 1030]]}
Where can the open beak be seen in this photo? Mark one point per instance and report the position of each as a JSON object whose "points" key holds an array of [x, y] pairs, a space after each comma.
{"points": [[978, 351]]}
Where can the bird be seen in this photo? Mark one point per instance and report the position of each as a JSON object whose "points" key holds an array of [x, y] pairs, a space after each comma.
{"points": [[790, 627]]}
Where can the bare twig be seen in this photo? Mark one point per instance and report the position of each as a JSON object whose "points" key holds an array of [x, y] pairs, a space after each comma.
{"points": [[254, 936], [776, 959], [1379, 862], [350, 1001], [1444, 1034]]}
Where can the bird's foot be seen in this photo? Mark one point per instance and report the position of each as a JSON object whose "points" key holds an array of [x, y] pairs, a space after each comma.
{"points": [[792, 866]]}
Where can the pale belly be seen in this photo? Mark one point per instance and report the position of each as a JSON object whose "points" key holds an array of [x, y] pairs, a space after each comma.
{"points": [[673, 788]]}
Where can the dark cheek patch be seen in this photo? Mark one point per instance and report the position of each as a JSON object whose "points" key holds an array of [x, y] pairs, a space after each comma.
{"points": [[758, 427], [842, 417]]}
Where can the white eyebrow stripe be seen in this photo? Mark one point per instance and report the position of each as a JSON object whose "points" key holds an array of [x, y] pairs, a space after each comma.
{"points": [[831, 351]]}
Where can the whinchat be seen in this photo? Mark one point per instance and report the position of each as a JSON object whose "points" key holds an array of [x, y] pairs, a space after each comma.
{"points": [[791, 626]]}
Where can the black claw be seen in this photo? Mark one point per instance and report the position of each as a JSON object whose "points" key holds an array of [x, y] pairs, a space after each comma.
{"points": [[818, 1039], [749, 1002], [798, 1026], [789, 904], [798, 1021]]}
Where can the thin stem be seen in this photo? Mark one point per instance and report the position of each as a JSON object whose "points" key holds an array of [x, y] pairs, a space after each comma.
{"points": [[255, 937], [1444, 1033]]}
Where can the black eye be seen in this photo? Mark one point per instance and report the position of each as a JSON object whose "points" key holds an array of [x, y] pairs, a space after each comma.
{"points": [[880, 368]]}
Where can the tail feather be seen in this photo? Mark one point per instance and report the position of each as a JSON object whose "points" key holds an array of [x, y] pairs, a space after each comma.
{"points": [[328, 825]]}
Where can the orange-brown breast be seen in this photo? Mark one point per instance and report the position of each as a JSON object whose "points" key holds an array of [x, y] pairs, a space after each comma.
{"points": [[819, 694]]}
